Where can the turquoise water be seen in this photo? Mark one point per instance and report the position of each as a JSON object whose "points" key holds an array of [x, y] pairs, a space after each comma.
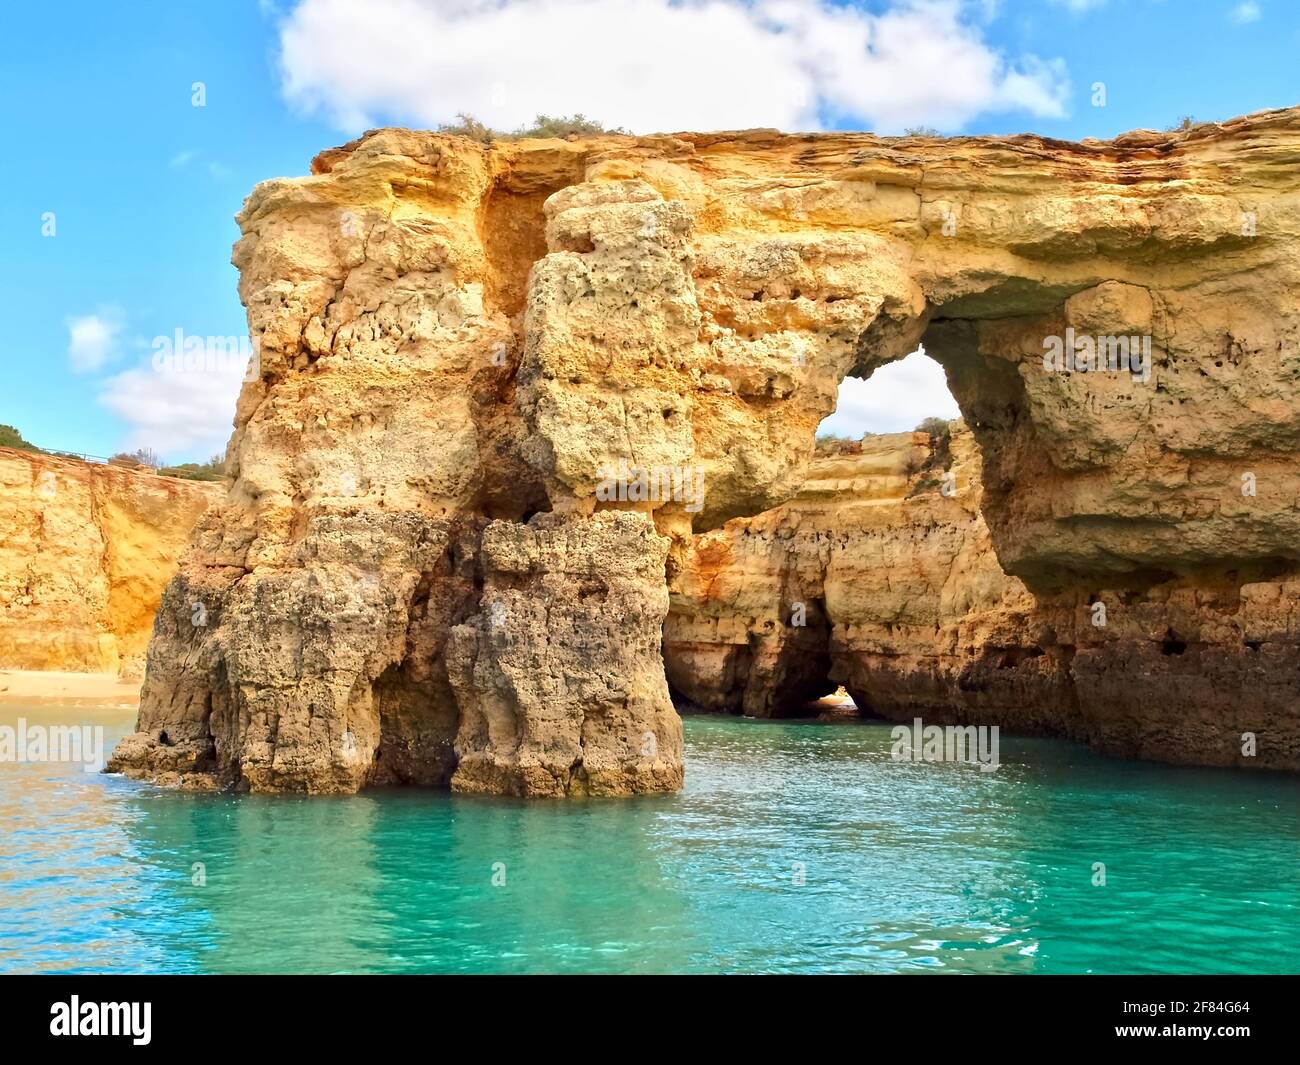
{"points": [[906, 867]]}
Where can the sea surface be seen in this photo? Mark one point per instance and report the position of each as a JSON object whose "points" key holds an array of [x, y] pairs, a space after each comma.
{"points": [[795, 847]]}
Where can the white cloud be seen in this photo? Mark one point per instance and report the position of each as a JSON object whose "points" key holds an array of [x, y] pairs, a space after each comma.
{"points": [[1246, 12], [181, 414], [91, 339], [182, 158], [895, 399], [655, 65]]}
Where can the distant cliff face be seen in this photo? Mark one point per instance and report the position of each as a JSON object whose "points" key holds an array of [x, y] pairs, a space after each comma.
{"points": [[471, 355], [882, 554], [880, 575], [85, 552]]}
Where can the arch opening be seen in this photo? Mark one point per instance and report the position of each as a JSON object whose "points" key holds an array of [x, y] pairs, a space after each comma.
{"points": [[898, 397], [766, 610]]}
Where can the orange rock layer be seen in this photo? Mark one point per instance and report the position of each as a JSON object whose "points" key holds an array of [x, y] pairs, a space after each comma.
{"points": [[85, 551]]}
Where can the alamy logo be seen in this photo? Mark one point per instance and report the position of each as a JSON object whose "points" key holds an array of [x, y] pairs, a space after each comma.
{"points": [[102, 1018], [180, 353], [57, 743], [659, 484], [976, 744], [1082, 353]]}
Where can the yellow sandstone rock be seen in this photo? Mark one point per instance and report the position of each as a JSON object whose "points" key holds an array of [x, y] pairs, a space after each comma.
{"points": [[454, 335], [879, 575]]}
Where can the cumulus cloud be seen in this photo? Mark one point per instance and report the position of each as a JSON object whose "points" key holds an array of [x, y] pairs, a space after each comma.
{"points": [[91, 340], [896, 398], [656, 65], [182, 413]]}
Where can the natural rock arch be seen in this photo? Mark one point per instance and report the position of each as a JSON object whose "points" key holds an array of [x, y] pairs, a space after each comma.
{"points": [[700, 300]]}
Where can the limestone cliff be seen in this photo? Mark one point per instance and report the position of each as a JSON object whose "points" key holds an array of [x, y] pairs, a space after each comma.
{"points": [[883, 549], [85, 551], [880, 575], [469, 354]]}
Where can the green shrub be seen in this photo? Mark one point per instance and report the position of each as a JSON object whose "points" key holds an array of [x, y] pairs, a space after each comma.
{"points": [[832, 444], [11, 437], [565, 126], [935, 427], [212, 470], [144, 456], [562, 126], [469, 126]]}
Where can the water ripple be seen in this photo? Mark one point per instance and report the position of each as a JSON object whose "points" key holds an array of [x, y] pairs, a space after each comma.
{"points": [[793, 848]]}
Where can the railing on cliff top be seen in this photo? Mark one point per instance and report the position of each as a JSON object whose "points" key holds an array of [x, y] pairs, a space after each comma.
{"points": [[102, 460]]}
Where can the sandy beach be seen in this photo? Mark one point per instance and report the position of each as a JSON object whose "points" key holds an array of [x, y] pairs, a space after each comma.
{"points": [[35, 686]]}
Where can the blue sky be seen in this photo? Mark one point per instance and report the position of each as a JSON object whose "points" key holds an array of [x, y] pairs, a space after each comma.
{"points": [[98, 115]]}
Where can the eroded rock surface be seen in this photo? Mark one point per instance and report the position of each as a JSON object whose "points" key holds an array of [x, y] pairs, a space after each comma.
{"points": [[454, 335], [558, 677]]}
